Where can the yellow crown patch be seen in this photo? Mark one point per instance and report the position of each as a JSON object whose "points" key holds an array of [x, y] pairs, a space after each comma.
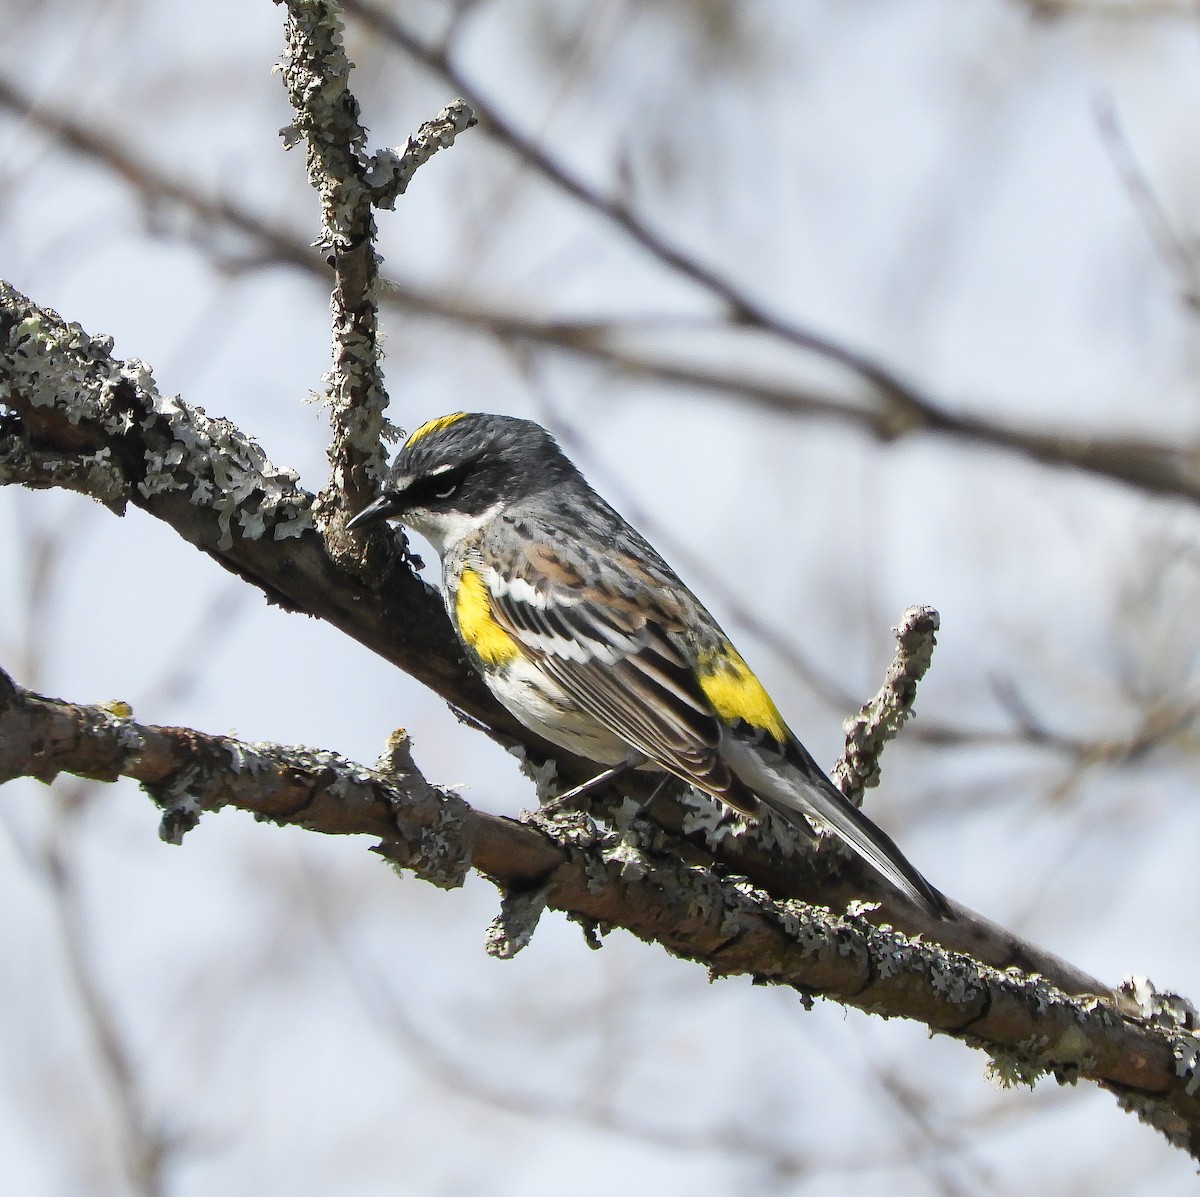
{"points": [[434, 426]]}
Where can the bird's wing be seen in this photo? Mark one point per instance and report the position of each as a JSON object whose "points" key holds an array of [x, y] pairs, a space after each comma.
{"points": [[615, 647], [623, 637]]}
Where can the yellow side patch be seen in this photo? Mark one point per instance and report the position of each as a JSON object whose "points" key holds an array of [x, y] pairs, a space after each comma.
{"points": [[476, 625], [736, 693], [434, 426]]}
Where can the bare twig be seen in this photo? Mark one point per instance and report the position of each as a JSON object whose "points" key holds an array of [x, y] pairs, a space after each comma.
{"points": [[1183, 262], [1113, 10], [146, 1146], [901, 408], [740, 307]]}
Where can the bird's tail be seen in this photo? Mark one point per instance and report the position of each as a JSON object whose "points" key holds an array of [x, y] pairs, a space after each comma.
{"points": [[796, 788]]}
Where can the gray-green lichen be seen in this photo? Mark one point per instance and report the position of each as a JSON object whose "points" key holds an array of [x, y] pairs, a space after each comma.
{"points": [[93, 474], [389, 172], [181, 809], [113, 721], [1168, 1122], [543, 776], [1177, 1018], [316, 73], [56, 366], [513, 928], [1020, 1066], [442, 855], [220, 469], [716, 823]]}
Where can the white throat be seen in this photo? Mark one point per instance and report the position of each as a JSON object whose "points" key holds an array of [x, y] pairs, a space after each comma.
{"points": [[444, 529]]}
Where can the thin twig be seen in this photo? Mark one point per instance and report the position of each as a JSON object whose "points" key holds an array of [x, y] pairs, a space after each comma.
{"points": [[351, 185], [881, 719], [1181, 261]]}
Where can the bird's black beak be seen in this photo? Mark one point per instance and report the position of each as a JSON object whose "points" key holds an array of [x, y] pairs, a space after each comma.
{"points": [[385, 506]]}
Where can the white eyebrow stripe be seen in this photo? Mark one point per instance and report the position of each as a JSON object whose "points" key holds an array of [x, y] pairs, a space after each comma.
{"points": [[442, 469]]}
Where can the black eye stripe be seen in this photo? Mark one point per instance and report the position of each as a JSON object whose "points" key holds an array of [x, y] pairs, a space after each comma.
{"points": [[437, 486]]}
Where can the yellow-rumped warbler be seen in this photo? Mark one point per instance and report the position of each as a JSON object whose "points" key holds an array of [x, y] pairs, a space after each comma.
{"points": [[590, 639]]}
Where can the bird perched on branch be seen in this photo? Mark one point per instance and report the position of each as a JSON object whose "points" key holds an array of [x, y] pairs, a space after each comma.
{"points": [[590, 639]]}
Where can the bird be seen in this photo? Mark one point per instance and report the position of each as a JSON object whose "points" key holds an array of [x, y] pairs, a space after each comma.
{"points": [[588, 637]]}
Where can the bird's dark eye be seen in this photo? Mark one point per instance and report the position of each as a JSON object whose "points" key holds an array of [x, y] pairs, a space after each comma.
{"points": [[445, 483], [440, 484]]}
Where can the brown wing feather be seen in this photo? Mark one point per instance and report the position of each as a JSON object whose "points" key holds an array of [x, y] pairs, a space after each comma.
{"points": [[633, 679]]}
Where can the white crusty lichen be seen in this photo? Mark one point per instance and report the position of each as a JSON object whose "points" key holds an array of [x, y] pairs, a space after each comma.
{"points": [[543, 776], [390, 171], [115, 720], [631, 863], [1177, 1018], [181, 809], [442, 855], [513, 928], [53, 365], [716, 822], [250, 759], [348, 780], [220, 469], [1159, 1115]]}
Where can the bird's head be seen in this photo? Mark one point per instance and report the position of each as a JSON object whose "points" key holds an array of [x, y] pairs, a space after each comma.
{"points": [[457, 472]]}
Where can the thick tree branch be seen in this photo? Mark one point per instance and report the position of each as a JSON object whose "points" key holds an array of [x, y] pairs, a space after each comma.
{"points": [[610, 879], [69, 400]]}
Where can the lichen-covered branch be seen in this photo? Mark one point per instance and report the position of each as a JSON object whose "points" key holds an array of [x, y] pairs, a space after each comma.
{"points": [[391, 171], [316, 73], [1146, 1054], [351, 184], [73, 415], [880, 720]]}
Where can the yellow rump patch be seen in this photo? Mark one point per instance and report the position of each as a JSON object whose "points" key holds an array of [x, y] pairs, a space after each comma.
{"points": [[736, 693], [434, 426], [476, 624]]}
